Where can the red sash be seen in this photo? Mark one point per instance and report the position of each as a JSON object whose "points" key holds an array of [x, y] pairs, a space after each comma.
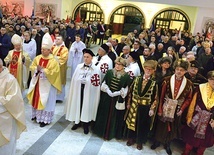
{"points": [[14, 64], [36, 96]]}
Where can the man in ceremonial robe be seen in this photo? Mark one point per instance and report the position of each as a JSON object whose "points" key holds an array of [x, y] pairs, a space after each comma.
{"points": [[103, 61], [142, 104], [84, 94], [193, 74], [198, 132], [61, 52], [132, 67], [12, 113], [75, 54], [18, 62], [176, 95], [45, 84]]}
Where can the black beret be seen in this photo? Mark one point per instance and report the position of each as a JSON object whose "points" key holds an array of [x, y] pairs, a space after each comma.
{"points": [[88, 51], [105, 47], [134, 55], [194, 63]]}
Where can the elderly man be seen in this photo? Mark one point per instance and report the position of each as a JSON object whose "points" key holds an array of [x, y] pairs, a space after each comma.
{"points": [[193, 74], [102, 61], [18, 62], [198, 132], [84, 95], [12, 113], [125, 52], [176, 95], [61, 52], [45, 83], [142, 102], [132, 67], [75, 53]]}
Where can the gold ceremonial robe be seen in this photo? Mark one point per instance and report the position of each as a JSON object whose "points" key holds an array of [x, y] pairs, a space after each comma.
{"points": [[61, 52], [52, 77], [22, 71], [12, 107]]}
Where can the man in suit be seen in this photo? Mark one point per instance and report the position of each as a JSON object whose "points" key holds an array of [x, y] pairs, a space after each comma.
{"points": [[101, 32], [116, 46], [136, 47]]}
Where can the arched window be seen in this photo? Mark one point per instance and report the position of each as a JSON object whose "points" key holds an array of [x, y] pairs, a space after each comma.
{"points": [[172, 19], [89, 11], [125, 19]]}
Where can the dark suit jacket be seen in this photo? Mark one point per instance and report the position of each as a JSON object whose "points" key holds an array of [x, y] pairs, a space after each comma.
{"points": [[139, 51]]}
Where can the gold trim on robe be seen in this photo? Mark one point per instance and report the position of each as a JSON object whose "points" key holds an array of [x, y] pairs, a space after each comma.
{"points": [[61, 52], [22, 69]]}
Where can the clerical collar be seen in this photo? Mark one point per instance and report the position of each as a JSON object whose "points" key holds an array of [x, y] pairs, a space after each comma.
{"points": [[27, 41]]}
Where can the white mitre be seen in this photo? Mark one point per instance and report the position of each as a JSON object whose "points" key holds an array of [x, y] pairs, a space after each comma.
{"points": [[16, 40], [47, 42]]}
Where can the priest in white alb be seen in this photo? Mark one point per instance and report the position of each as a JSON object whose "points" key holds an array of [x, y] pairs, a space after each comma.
{"points": [[45, 84], [75, 53], [12, 112], [83, 97]]}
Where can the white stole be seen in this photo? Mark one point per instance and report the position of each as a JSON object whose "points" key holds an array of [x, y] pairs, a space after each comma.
{"points": [[172, 84]]}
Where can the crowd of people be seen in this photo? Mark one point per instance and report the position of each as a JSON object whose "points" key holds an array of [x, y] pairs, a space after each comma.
{"points": [[149, 85]]}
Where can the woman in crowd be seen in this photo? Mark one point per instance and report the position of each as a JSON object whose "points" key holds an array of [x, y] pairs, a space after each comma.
{"points": [[110, 116]]}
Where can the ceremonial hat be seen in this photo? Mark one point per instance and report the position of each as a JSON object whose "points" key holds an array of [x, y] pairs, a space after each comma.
{"points": [[165, 59], [120, 60], [134, 55], [16, 39], [47, 42], [88, 51], [182, 63], [104, 47], [194, 63], [150, 63], [210, 75]]}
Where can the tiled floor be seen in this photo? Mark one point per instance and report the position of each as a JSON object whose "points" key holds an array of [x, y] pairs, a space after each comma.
{"points": [[58, 139]]}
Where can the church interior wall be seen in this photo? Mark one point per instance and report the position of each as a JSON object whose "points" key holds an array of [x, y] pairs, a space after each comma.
{"points": [[64, 8]]}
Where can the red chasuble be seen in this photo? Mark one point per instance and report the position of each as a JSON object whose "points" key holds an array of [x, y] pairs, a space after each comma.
{"points": [[14, 64]]}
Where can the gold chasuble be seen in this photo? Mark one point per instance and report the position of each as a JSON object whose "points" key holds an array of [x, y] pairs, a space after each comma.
{"points": [[17, 67], [42, 80], [13, 108], [61, 52]]}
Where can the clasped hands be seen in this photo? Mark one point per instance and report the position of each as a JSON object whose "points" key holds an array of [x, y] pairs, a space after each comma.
{"points": [[39, 68]]}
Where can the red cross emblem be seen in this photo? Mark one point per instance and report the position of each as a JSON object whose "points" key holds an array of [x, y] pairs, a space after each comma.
{"points": [[104, 68], [95, 80], [131, 74]]}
